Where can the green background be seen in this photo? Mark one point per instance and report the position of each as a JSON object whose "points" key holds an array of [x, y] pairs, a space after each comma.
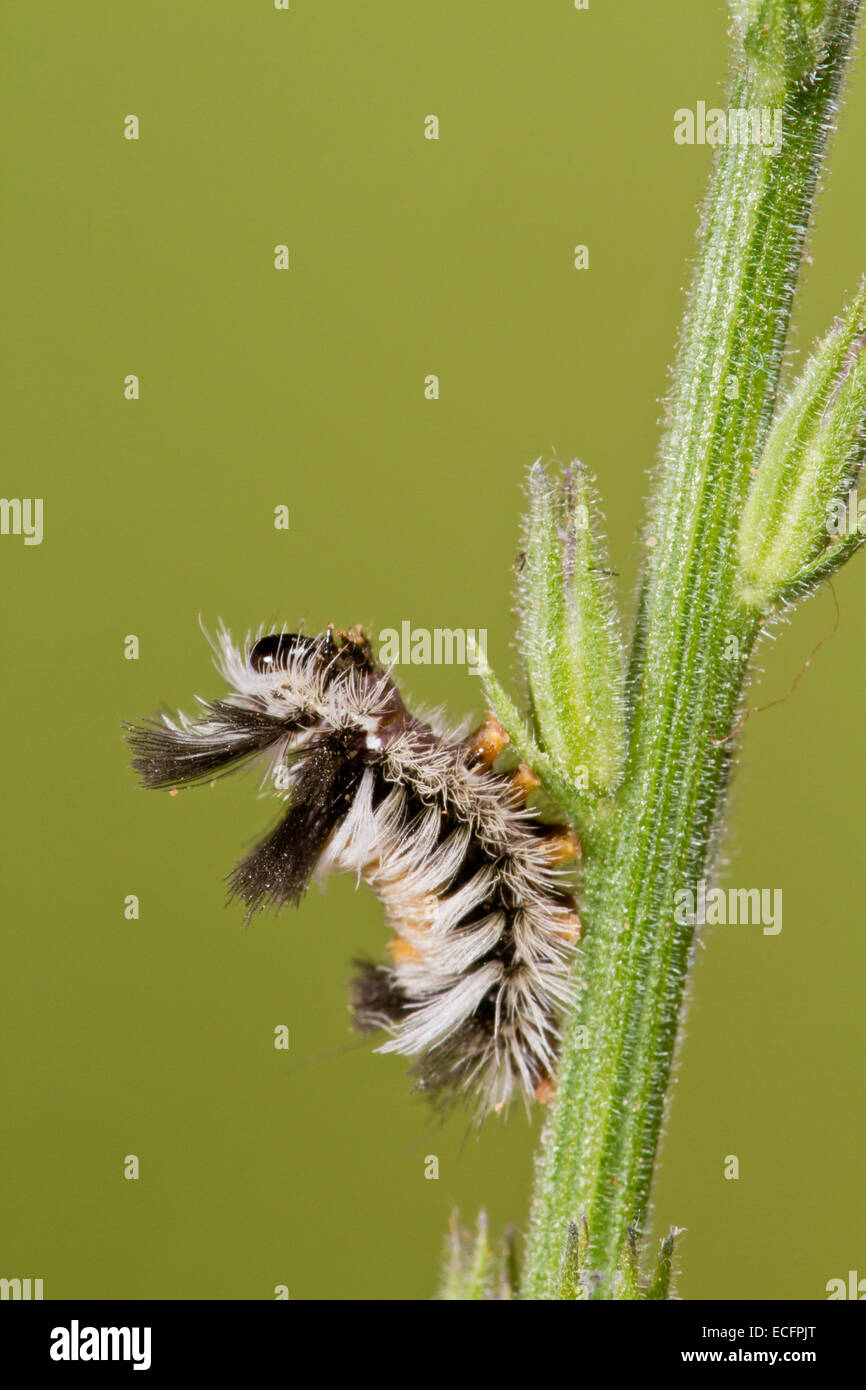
{"points": [[305, 387]]}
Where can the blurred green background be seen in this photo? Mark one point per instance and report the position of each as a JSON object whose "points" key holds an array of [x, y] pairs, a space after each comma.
{"points": [[306, 388]]}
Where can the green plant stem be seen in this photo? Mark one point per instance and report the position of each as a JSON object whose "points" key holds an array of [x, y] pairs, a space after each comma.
{"points": [[657, 836]]}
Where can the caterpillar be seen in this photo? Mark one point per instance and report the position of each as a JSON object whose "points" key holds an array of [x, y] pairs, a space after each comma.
{"points": [[472, 883]]}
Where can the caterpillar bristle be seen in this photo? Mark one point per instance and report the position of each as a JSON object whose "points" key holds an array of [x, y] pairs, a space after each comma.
{"points": [[482, 913]]}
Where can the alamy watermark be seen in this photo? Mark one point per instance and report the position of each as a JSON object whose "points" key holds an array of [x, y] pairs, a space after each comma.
{"points": [[21, 1289], [739, 125], [77, 1343], [853, 1288], [736, 907], [22, 516], [846, 516], [443, 646]]}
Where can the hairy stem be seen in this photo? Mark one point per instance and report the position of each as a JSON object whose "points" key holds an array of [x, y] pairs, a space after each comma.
{"points": [[655, 834]]}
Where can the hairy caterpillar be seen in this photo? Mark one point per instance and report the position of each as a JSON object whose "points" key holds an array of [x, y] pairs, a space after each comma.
{"points": [[470, 881]]}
